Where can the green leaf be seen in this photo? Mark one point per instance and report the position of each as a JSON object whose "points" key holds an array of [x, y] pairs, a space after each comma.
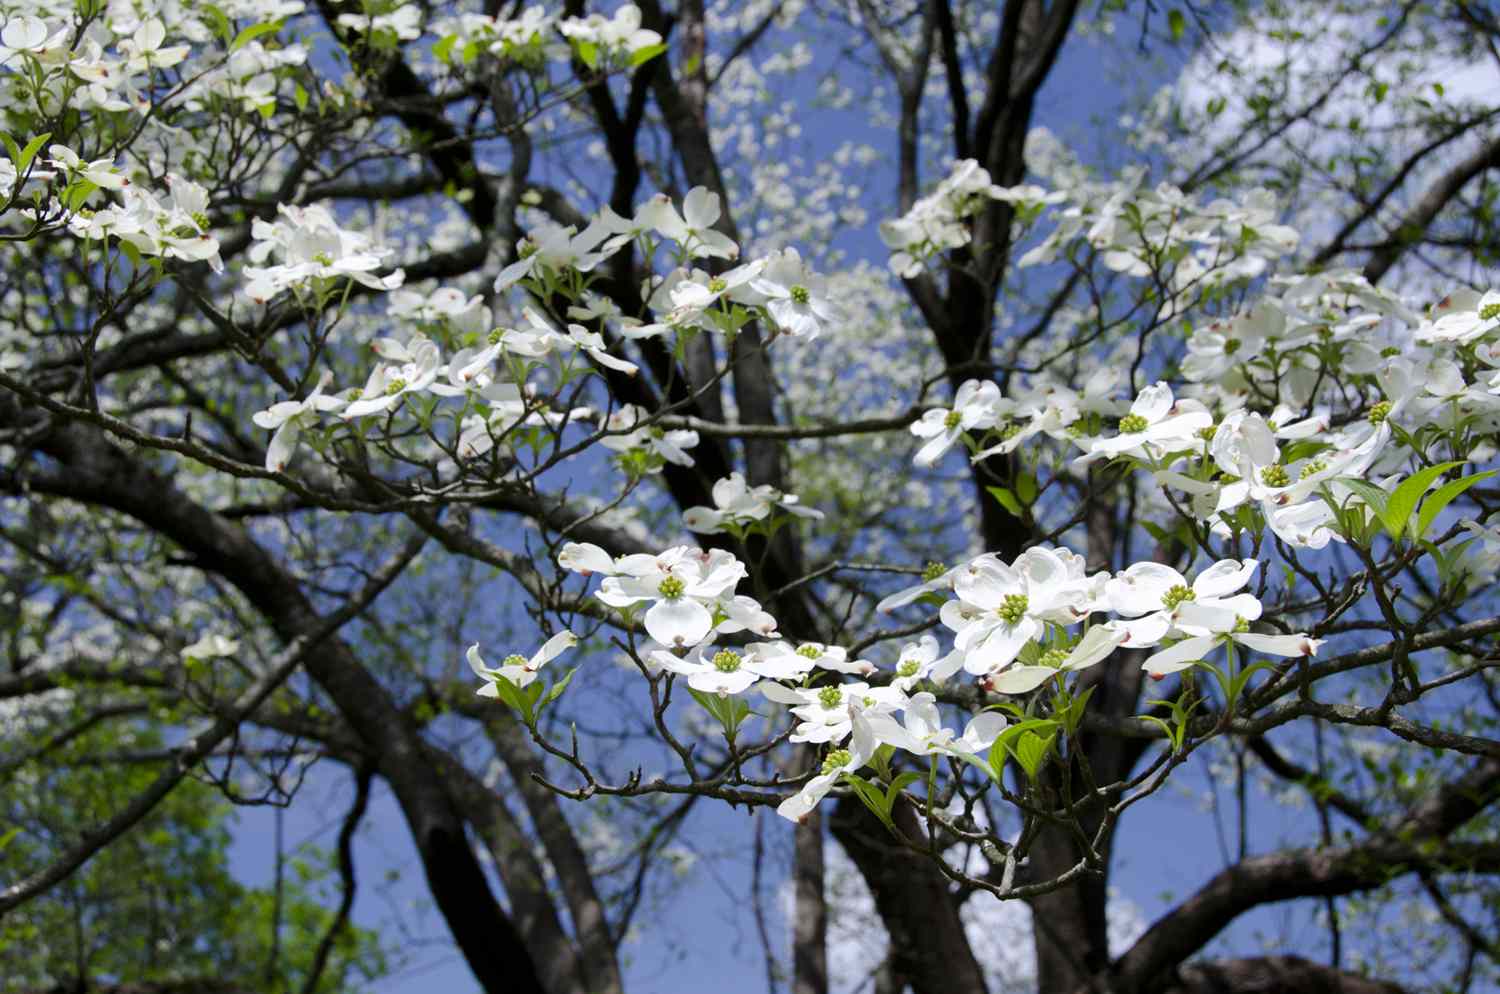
{"points": [[222, 26], [729, 710], [1026, 488], [1007, 500], [78, 193], [1403, 502], [8, 837], [1031, 749], [588, 53], [518, 700], [253, 32], [557, 688], [22, 157], [444, 47], [873, 798], [1442, 497], [1368, 492], [1176, 23], [644, 55], [299, 97]]}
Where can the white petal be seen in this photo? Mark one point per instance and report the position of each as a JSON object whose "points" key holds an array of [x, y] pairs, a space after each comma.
{"points": [[1179, 657], [678, 622]]}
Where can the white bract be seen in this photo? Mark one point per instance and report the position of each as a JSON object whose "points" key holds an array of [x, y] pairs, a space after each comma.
{"points": [[518, 669]]}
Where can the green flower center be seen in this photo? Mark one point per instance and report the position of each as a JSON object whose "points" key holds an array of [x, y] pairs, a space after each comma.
{"points": [[1008, 430], [1390, 351], [726, 661], [526, 250], [717, 285], [1379, 412], [830, 697], [495, 335], [1489, 312], [323, 258], [809, 651], [395, 386], [800, 295], [1231, 346], [1275, 476], [1207, 434], [1054, 657], [1130, 424], [514, 659], [1177, 595], [1316, 466], [908, 668], [837, 760], [671, 588], [1013, 608], [933, 571], [356, 393], [952, 419], [1241, 624]]}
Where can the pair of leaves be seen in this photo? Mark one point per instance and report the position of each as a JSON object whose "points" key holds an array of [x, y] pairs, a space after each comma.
{"points": [[728, 709], [531, 700], [1397, 510], [1027, 742], [881, 801], [20, 157]]}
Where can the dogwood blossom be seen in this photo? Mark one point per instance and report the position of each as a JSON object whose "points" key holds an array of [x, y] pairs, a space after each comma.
{"points": [[519, 670], [975, 405], [738, 503], [287, 419], [683, 584]]}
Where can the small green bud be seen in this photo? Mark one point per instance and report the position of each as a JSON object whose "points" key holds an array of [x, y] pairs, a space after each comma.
{"points": [[1177, 595], [1308, 469], [514, 659], [933, 571], [1241, 624], [1379, 412], [837, 760], [495, 335], [952, 419], [1013, 609], [1231, 346], [1054, 658], [1132, 423], [1207, 434], [800, 295], [908, 668], [726, 660], [1489, 312], [1275, 476], [395, 386], [809, 651], [830, 697], [671, 588], [717, 285]]}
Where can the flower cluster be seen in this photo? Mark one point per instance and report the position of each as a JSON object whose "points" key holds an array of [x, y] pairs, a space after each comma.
{"points": [[737, 505], [937, 222]]}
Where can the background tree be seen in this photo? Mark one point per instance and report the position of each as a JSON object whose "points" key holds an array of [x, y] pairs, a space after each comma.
{"points": [[206, 206]]}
